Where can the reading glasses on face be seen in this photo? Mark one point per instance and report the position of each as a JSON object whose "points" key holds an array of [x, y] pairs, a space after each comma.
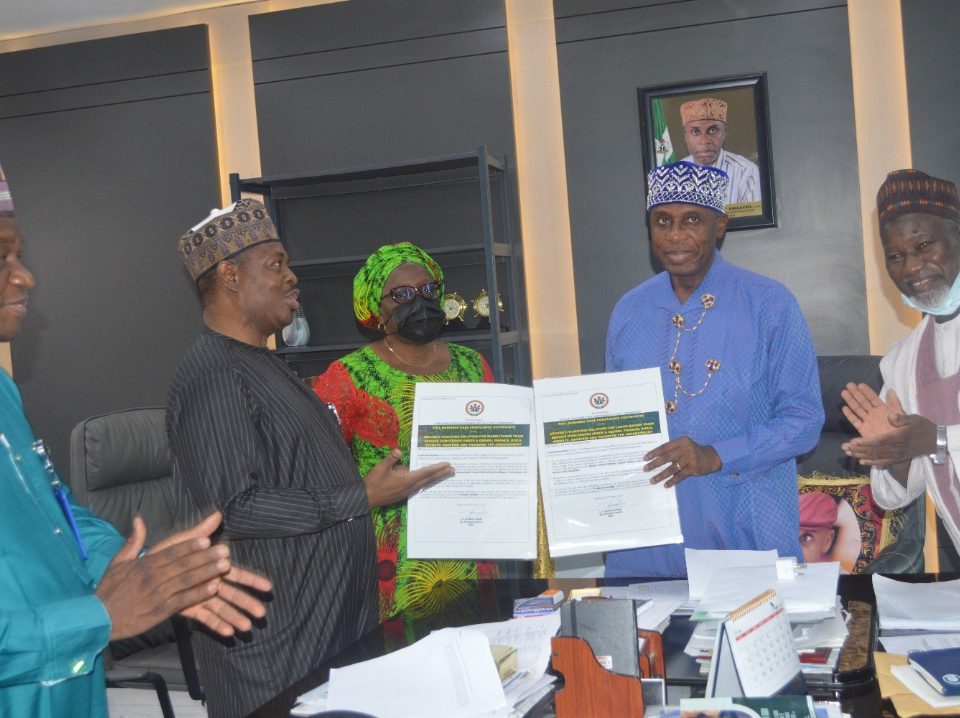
{"points": [[405, 294]]}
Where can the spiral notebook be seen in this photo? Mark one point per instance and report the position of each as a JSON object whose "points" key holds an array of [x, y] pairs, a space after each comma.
{"points": [[754, 653]]}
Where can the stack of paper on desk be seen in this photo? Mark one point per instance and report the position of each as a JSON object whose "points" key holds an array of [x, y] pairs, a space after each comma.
{"points": [[675, 594], [818, 645], [902, 644], [703, 564], [653, 614], [531, 637], [449, 673], [917, 606], [828, 633], [723, 582]]}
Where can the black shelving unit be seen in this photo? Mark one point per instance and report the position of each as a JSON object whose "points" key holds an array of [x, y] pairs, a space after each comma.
{"points": [[458, 208]]}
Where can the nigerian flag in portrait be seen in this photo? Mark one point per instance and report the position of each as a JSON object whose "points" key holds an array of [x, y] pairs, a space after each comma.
{"points": [[661, 136]]}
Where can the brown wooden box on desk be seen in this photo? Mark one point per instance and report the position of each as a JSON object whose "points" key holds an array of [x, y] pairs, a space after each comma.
{"points": [[590, 690]]}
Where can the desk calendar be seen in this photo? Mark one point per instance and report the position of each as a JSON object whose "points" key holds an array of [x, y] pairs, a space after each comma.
{"points": [[754, 653]]}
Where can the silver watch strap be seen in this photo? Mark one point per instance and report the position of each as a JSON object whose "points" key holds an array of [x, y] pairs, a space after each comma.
{"points": [[940, 457]]}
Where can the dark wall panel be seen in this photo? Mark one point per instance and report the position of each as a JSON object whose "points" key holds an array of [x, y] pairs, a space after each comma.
{"points": [[110, 149], [367, 82], [803, 46], [933, 78]]}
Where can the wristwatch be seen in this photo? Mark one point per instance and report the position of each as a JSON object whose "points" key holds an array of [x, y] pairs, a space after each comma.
{"points": [[941, 456]]}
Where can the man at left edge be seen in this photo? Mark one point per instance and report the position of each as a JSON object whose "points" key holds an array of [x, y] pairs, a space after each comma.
{"points": [[65, 593]]}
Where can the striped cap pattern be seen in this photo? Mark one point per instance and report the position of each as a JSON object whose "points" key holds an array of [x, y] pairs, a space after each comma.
{"points": [[907, 191]]}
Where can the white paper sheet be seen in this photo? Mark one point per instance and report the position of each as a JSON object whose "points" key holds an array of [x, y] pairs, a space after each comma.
{"points": [[489, 509], [313, 701], [810, 594], [919, 642], [920, 688], [530, 636], [701, 565], [829, 709], [654, 614], [449, 673], [920, 606], [829, 633], [676, 590], [593, 432]]}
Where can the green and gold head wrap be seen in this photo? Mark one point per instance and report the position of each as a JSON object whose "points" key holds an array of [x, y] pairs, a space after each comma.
{"points": [[368, 284]]}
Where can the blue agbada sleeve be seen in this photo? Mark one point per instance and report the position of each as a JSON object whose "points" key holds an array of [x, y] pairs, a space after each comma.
{"points": [[796, 410]]}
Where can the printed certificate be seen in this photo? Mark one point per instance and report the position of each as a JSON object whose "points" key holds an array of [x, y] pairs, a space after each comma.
{"points": [[593, 433], [489, 509]]}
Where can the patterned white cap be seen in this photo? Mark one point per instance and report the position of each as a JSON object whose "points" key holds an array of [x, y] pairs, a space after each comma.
{"points": [[687, 183]]}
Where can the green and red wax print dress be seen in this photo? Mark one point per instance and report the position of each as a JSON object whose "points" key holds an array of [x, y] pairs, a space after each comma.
{"points": [[375, 404]]}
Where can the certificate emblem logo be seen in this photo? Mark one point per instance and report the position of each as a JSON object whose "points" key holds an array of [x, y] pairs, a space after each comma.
{"points": [[474, 407], [599, 400]]}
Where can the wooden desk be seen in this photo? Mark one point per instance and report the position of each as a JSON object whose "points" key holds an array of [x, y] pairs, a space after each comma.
{"points": [[858, 695]]}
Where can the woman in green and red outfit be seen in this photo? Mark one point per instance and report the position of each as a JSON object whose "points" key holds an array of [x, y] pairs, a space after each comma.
{"points": [[398, 292]]}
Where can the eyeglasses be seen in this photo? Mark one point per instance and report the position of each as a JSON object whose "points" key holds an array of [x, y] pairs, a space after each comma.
{"points": [[406, 294]]}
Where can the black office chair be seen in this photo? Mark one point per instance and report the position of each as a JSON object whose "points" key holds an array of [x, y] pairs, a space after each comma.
{"points": [[120, 466]]}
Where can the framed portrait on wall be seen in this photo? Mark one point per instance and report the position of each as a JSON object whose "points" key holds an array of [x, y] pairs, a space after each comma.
{"points": [[724, 123]]}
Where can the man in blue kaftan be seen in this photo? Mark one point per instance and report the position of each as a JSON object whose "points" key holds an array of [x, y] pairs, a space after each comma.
{"points": [[68, 581], [739, 376]]}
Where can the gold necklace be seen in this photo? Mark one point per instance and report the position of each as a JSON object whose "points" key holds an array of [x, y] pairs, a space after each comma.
{"points": [[433, 355], [712, 364]]}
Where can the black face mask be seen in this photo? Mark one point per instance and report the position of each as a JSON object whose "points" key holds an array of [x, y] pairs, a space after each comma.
{"points": [[419, 321]]}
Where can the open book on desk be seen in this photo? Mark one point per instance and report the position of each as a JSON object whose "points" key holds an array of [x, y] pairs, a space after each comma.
{"points": [[588, 435]]}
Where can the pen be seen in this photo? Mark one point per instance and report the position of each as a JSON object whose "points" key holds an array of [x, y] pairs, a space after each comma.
{"points": [[41, 451], [68, 512]]}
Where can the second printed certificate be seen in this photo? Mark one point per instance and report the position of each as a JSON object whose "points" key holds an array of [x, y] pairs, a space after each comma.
{"points": [[594, 431]]}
